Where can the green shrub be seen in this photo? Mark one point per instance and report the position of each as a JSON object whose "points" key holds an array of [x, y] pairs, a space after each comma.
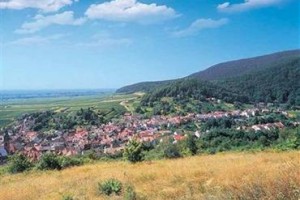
{"points": [[49, 161], [154, 154], [4, 170], [172, 151], [65, 162], [67, 197], [111, 186], [289, 139], [18, 163], [133, 151], [129, 193], [191, 145], [185, 152], [167, 149]]}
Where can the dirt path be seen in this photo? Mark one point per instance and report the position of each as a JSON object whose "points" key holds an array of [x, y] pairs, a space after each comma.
{"points": [[124, 104]]}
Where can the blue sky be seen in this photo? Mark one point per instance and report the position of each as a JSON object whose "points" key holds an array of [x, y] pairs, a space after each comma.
{"points": [[65, 44]]}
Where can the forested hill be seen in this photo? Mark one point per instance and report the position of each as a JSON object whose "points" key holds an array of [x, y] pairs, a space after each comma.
{"points": [[144, 86], [245, 66], [224, 70], [186, 89], [279, 85]]}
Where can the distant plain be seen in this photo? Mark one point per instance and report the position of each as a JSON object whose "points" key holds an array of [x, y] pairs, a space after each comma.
{"points": [[15, 107]]}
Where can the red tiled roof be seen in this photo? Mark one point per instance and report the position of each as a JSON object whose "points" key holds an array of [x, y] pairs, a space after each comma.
{"points": [[178, 137]]}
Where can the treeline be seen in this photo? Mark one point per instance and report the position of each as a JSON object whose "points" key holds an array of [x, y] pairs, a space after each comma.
{"points": [[143, 87], [194, 89]]}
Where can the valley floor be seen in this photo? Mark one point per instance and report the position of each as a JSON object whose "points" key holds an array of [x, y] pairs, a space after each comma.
{"points": [[263, 175]]}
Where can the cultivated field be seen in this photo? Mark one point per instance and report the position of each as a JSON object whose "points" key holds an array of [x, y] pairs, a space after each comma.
{"points": [[264, 175], [14, 108]]}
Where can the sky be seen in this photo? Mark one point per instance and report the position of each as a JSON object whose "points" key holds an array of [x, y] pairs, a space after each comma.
{"points": [[77, 44]]}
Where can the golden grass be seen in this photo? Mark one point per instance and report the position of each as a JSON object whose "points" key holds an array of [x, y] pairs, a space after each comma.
{"points": [[265, 175]]}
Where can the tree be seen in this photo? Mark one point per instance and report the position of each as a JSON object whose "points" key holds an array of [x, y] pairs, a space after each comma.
{"points": [[191, 144], [6, 137], [6, 140], [19, 163], [297, 100], [292, 99], [139, 110], [49, 161], [133, 151], [172, 151]]}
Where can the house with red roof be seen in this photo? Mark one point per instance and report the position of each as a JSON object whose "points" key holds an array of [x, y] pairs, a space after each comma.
{"points": [[178, 137]]}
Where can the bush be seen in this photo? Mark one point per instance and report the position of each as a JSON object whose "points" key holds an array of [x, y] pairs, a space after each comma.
{"points": [[110, 186], [130, 193], [172, 151], [65, 162], [133, 151], [49, 161], [154, 154], [18, 163], [166, 149]]}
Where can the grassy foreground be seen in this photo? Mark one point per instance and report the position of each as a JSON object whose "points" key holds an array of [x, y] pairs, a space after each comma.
{"points": [[264, 175]]}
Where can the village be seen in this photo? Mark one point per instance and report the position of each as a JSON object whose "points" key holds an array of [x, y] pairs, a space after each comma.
{"points": [[112, 137]]}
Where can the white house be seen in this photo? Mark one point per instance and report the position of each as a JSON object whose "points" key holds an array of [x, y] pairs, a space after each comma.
{"points": [[1, 139], [256, 128], [3, 152]]}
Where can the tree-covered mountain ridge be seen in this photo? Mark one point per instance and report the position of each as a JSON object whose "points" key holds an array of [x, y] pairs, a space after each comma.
{"points": [[223, 70], [270, 78]]}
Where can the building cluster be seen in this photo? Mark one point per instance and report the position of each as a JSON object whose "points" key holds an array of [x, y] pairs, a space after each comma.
{"points": [[111, 137]]}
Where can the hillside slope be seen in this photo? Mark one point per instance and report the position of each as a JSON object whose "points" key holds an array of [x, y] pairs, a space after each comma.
{"points": [[244, 66], [193, 89], [144, 86], [280, 84], [223, 70], [263, 175]]}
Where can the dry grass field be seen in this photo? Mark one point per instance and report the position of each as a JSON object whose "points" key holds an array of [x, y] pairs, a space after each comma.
{"points": [[264, 175]]}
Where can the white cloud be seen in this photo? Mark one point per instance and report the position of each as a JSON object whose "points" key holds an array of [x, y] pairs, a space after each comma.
{"points": [[103, 41], [199, 25], [41, 21], [246, 5], [43, 5], [36, 40], [130, 11]]}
